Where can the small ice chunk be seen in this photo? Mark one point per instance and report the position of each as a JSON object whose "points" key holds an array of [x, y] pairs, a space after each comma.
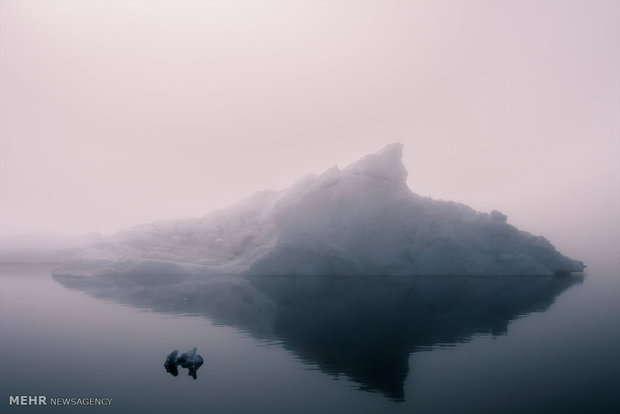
{"points": [[189, 360], [171, 363]]}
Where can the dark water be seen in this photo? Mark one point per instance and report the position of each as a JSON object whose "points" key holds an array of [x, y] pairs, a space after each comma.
{"points": [[314, 345]]}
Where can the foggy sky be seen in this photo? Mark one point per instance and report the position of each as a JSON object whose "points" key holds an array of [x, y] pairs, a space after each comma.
{"points": [[117, 113]]}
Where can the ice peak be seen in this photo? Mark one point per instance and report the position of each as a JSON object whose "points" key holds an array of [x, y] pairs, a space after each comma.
{"points": [[385, 164]]}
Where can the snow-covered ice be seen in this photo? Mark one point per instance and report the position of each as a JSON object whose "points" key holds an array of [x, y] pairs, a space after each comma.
{"points": [[360, 220]]}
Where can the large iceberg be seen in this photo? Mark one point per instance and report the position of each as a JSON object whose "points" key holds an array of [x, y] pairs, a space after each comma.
{"points": [[360, 220]]}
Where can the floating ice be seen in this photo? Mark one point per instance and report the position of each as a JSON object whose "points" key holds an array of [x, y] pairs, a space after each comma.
{"points": [[189, 360], [360, 220]]}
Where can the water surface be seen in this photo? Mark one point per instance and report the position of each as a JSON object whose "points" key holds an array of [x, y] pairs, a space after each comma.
{"points": [[312, 345]]}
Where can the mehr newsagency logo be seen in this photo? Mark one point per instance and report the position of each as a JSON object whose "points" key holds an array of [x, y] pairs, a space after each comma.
{"points": [[60, 401]]}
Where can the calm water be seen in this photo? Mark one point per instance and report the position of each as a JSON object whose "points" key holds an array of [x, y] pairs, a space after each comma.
{"points": [[314, 345]]}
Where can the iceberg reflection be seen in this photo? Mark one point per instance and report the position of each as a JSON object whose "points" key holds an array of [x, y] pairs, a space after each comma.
{"points": [[364, 328]]}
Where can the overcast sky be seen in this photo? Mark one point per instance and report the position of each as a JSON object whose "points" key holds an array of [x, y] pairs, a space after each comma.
{"points": [[114, 113]]}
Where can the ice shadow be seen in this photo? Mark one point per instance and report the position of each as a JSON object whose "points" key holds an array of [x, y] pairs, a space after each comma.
{"points": [[363, 328]]}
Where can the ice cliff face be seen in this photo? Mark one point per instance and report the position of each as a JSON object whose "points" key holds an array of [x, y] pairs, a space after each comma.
{"points": [[361, 220]]}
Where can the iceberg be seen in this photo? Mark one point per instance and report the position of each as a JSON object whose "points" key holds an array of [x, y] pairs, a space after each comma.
{"points": [[358, 220]]}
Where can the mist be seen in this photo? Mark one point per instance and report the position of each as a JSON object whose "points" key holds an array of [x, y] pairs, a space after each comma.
{"points": [[441, 230], [118, 113]]}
